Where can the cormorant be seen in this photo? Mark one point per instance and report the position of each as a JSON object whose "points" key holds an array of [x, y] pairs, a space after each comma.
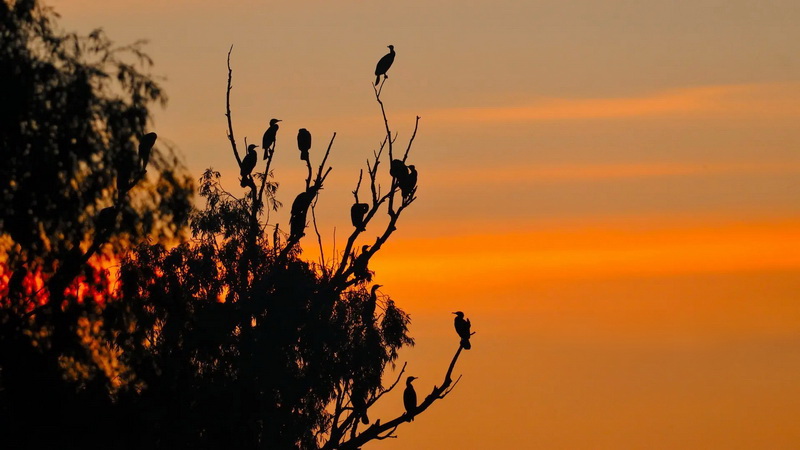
{"points": [[124, 172], [383, 65], [462, 328], [410, 398], [408, 183], [303, 143], [297, 221], [368, 314], [398, 170], [360, 270], [145, 145], [358, 398], [249, 161], [357, 213], [269, 136], [106, 219]]}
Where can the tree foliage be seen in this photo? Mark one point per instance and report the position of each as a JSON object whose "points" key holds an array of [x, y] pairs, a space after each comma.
{"points": [[231, 339]]}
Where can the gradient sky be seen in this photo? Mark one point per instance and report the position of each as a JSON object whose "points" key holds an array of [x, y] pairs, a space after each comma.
{"points": [[610, 191]]}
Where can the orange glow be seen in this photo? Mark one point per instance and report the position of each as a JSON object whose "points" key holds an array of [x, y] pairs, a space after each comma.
{"points": [[767, 100], [497, 263]]}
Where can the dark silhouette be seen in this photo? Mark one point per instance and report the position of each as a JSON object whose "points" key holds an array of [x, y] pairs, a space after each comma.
{"points": [[410, 399], [398, 170], [299, 212], [383, 65], [357, 213], [368, 315], [360, 262], [268, 140], [462, 328], [230, 340], [359, 402], [303, 143], [409, 182], [145, 146], [248, 163]]}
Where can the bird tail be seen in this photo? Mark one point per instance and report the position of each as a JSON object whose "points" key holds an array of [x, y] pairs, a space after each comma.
{"points": [[377, 79], [243, 182], [364, 418], [465, 343]]}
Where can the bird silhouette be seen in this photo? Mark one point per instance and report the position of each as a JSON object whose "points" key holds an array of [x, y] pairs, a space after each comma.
{"points": [[303, 143], [398, 170], [249, 161], [357, 213], [409, 182], [383, 65], [106, 219], [269, 136], [368, 313], [145, 145], [410, 398], [297, 221], [359, 400], [360, 270], [124, 172], [462, 328]]}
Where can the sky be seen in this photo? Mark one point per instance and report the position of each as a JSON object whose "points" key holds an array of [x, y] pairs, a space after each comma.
{"points": [[609, 190]]}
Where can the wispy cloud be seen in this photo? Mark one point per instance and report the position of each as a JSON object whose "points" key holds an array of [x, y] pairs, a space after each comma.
{"points": [[778, 99]]}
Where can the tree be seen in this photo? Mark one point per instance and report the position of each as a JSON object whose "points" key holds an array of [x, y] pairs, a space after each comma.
{"points": [[74, 114], [236, 341], [230, 339]]}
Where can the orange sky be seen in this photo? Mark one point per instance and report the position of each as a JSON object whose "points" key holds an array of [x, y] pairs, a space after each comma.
{"points": [[609, 190]]}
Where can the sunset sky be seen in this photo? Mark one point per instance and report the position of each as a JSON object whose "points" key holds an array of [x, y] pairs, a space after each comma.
{"points": [[609, 190]]}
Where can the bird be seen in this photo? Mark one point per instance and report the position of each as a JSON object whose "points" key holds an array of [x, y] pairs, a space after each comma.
{"points": [[368, 314], [462, 328], [360, 270], [249, 161], [408, 183], [383, 65], [124, 172], [106, 218], [357, 213], [303, 143], [297, 221], [269, 136], [359, 400], [410, 398], [145, 145], [398, 170]]}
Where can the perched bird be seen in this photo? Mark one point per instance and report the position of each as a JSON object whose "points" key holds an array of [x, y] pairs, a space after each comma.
{"points": [[462, 328], [383, 65], [145, 145], [269, 136], [410, 398], [249, 161], [368, 314], [359, 400], [303, 143], [124, 172], [360, 270], [408, 183], [357, 213], [398, 170], [106, 219], [297, 221]]}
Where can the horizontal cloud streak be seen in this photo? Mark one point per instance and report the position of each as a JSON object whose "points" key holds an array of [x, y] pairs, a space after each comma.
{"points": [[770, 100]]}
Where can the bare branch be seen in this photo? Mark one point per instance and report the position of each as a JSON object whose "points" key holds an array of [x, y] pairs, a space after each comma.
{"points": [[228, 110]]}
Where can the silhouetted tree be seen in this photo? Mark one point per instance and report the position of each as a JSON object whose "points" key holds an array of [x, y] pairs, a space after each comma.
{"points": [[228, 340], [77, 170], [236, 341]]}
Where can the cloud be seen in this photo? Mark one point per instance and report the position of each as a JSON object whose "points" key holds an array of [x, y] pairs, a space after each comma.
{"points": [[770, 100]]}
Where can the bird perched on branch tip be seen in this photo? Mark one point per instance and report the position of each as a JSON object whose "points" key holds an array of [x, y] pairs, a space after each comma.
{"points": [[383, 65], [268, 140]]}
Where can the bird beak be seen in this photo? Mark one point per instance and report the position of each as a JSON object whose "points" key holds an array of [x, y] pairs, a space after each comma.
{"points": [[453, 313]]}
